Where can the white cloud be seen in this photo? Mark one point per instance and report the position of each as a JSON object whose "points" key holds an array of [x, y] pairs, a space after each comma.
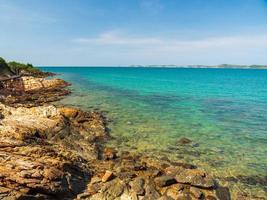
{"points": [[114, 38], [114, 47]]}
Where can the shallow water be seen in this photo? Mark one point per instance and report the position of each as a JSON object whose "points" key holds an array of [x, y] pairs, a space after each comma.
{"points": [[223, 112]]}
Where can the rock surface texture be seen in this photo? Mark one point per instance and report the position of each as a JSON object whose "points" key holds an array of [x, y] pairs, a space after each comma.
{"points": [[29, 91], [49, 152]]}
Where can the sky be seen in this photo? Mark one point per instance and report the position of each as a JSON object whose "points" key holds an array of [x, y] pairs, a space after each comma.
{"points": [[133, 32]]}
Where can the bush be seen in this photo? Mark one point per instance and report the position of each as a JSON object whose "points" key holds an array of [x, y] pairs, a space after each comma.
{"points": [[4, 68], [19, 67]]}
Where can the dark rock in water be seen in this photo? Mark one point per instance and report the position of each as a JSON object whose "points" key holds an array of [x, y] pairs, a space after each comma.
{"points": [[137, 185], [140, 167], [184, 141], [196, 145], [223, 193], [195, 177], [184, 165], [109, 153], [173, 148], [165, 158], [249, 180], [163, 181], [191, 152], [253, 180]]}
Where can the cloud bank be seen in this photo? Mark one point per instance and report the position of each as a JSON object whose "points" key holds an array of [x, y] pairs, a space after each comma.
{"points": [[113, 38]]}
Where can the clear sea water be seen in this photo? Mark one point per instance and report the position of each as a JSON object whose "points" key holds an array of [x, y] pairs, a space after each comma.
{"points": [[223, 112]]}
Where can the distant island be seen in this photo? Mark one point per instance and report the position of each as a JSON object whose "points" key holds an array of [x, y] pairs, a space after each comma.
{"points": [[227, 66]]}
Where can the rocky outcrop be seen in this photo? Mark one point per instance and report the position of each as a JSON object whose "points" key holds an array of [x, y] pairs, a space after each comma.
{"points": [[30, 91], [49, 152], [45, 151]]}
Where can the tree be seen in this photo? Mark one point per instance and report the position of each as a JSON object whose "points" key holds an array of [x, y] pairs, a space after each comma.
{"points": [[4, 68]]}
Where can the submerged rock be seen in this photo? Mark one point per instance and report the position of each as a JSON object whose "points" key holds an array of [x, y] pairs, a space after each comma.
{"points": [[223, 193], [184, 141], [109, 153], [195, 177], [163, 181]]}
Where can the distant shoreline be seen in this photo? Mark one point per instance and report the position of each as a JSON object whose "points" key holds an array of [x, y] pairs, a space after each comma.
{"points": [[168, 67]]}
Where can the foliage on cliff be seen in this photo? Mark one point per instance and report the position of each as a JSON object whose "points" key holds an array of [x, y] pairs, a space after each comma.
{"points": [[13, 67], [4, 68], [21, 67]]}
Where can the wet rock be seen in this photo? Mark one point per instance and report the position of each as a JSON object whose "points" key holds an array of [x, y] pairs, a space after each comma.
{"points": [[249, 180], [107, 176], [109, 153], [223, 193], [184, 141], [196, 178], [163, 181], [140, 167], [137, 185], [184, 165]]}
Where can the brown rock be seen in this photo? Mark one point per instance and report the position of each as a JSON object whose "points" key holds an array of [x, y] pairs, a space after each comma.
{"points": [[223, 193], [137, 185], [107, 176], [109, 153], [196, 178], [197, 193], [151, 192], [163, 181], [165, 198], [184, 141]]}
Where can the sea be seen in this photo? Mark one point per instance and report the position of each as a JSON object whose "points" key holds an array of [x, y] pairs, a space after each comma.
{"points": [[221, 112]]}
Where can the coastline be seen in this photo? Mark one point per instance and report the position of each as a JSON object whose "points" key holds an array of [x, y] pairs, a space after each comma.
{"points": [[49, 148], [167, 67]]}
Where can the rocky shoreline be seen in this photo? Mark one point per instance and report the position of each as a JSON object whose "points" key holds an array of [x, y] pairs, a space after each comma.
{"points": [[57, 152]]}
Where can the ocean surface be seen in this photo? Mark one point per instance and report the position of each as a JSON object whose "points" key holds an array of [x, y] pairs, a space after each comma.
{"points": [[223, 112]]}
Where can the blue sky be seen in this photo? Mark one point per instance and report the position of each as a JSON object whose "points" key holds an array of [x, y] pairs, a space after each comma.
{"points": [[127, 32]]}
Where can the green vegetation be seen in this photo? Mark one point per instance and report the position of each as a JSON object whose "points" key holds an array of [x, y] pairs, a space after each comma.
{"points": [[5, 69], [15, 68], [23, 68]]}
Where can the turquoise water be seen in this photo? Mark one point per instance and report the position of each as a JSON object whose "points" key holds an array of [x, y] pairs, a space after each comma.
{"points": [[223, 112]]}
